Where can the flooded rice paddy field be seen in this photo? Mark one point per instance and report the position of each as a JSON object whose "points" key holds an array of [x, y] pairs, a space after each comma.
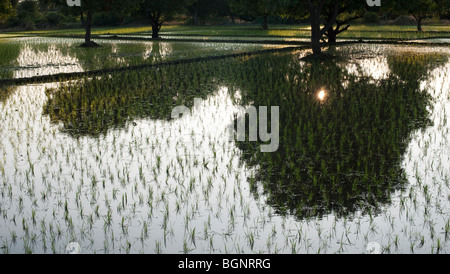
{"points": [[99, 161]]}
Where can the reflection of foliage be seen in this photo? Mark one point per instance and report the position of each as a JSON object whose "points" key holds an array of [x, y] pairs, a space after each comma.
{"points": [[340, 155], [8, 54], [55, 54], [107, 56], [5, 92], [413, 67], [110, 55], [92, 106]]}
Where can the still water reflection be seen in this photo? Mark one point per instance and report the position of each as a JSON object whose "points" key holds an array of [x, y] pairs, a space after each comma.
{"points": [[28, 57]]}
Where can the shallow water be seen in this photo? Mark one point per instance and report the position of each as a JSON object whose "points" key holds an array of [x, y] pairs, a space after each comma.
{"points": [[174, 186], [432, 40]]}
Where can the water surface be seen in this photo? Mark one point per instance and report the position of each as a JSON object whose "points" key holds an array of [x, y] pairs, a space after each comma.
{"points": [[368, 161]]}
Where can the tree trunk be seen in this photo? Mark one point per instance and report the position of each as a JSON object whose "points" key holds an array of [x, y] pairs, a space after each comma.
{"points": [[265, 23], [83, 22], [196, 23], [155, 31], [419, 20], [315, 11], [156, 25], [331, 35], [88, 28], [156, 54], [315, 32], [419, 25]]}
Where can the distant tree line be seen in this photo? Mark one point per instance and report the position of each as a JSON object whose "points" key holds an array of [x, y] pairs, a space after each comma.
{"points": [[328, 18]]}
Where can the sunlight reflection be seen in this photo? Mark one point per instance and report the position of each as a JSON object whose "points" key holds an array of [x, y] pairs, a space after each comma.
{"points": [[48, 60], [321, 95]]}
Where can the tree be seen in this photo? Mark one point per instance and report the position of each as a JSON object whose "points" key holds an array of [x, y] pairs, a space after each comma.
{"points": [[222, 9], [199, 9], [86, 12], [348, 11], [89, 7], [6, 10], [443, 8], [419, 9], [303, 9], [202, 9], [27, 14], [316, 9], [256, 9], [159, 11], [327, 17]]}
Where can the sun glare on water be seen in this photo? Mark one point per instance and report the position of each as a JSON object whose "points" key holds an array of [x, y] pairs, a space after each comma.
{"points": [[321, 95]]}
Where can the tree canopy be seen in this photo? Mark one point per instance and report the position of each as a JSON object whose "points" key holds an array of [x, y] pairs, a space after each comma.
{"points": [[6, 9]]}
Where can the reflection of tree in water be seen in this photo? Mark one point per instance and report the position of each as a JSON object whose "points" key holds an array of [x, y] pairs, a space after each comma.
{"points": [[123, 54], [342, 154], [109, 55], [93, 106], [157, 52], [5, 92], [8, 56], [54, 52]]}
